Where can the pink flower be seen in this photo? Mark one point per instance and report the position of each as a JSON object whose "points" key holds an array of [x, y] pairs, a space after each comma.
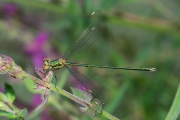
{"points": [[9, 9], [35, 49], [38, 42], [36, 100], [2, 89]]}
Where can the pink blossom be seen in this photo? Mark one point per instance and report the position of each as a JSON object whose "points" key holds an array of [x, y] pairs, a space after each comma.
{"points": [[2, 89], [9, 9], [35, 49], [36, 100]]}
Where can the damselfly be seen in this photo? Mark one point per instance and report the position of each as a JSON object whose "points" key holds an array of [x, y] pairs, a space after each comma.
{"points": [[84, 41]]}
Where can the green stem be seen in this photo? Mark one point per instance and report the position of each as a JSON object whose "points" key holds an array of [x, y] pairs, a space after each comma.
{"points": [[153, 24], [107, 115]]}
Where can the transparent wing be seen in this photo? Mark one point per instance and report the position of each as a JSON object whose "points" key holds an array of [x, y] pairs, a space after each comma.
{"points": [[87, 84], [86, 38]]}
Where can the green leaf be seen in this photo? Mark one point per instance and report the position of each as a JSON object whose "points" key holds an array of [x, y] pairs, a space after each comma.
{"points": [[3, 98], [11, 116], [175, 107], [3, 113], [24, 112], [9, 92], [3, 106], [20, 115]]}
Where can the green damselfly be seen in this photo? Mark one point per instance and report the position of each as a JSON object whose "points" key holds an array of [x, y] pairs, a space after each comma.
{"points": [[84, 41]]}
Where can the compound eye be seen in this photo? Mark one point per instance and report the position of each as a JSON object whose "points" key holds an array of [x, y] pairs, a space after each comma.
{"points": [[45, 65], [45, 60]]}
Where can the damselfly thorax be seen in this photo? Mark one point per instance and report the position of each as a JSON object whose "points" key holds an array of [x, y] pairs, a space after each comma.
{"points": [[53, 65]]}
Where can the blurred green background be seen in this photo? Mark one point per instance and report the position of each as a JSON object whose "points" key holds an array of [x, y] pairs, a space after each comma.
{"points": [[134, 33]]}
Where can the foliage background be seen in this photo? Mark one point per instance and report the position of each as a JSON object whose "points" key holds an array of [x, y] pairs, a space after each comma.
{"points": [[134, 33]]}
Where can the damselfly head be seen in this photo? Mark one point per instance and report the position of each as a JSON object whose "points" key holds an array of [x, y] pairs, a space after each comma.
{"points": [[46, 64]]}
